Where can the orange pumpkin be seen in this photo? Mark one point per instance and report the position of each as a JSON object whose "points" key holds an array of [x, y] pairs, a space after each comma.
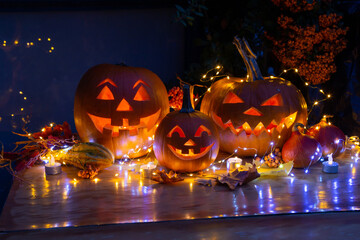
{"points": [[186, 140], [119, 107], [251, 113], [330, 137], [304, 150]]}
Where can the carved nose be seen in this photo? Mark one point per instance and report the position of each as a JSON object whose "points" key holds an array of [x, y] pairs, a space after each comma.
{"points": [[253, 111], [124, 106], [190, 143]]}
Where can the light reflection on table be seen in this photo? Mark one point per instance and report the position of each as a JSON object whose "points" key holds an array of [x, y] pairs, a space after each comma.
{"points": [[122, 196]]}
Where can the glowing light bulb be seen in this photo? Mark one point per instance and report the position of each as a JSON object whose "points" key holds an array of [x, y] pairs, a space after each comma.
{"points": [[285, 71], [296, 70], [316, 103], [16, 42], [328, 95], [20, 92], [227, 77], [204, 76], [43, 129], [306, 84]]}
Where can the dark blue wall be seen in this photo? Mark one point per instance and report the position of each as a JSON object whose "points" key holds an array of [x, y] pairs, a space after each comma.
{"points": [[137, 37]]}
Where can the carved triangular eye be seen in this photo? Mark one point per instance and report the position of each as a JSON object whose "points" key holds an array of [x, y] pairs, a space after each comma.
{"points": [[202, 129], [275, 100], [105, 94], [142, 95], [232, 98], [178, 130]]}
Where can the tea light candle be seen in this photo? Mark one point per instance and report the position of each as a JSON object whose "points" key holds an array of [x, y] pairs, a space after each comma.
{"points": [[330, 166], [147, 170], [52, 167], [233, 163]]}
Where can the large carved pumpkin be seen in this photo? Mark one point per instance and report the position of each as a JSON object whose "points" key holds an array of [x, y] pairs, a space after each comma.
{"points": [[186, 140], [251, 113], [119, 107]]}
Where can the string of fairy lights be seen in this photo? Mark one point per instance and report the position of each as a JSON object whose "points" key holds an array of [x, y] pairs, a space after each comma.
{"points": [[208, 77], [44, 43], [211, 76]]}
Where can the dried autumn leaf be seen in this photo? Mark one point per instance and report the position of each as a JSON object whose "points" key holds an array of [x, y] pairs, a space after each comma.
{"points": [[163, 177], [238, 178]]}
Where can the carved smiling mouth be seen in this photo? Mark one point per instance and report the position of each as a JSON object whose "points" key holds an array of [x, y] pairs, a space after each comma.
{"points": [[101, 123], [287, 121], [191, 154]]}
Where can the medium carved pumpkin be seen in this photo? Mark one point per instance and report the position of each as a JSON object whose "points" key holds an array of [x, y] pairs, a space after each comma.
{"points": [[119, 107], [251, 113], [186, 140]]}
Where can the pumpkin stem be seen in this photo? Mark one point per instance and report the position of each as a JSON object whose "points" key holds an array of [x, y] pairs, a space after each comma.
{"points": [[249, 58], [296, 125], [186, 105]]}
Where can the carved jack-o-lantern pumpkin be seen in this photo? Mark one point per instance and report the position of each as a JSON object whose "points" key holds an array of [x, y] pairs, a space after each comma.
{"points": [[251, 114], [119, 107], [186, 140]]}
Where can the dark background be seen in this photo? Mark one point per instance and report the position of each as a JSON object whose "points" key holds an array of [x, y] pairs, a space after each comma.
{"points": [[144, 33]]}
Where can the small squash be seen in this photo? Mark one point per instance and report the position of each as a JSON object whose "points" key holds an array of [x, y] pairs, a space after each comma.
{"points": [[89, 157]]}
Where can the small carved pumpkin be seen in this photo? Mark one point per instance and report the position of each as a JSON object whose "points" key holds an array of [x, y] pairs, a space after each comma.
{"points": [[119, 107], [304, 150], [186, 140], [251, 113], [330, 137]]}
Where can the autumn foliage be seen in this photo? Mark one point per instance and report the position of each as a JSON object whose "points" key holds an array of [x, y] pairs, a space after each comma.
{"points": [[308, 40]]}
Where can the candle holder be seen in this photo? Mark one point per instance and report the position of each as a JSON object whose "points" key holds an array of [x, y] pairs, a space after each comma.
{"points": [[233, 163], [52, 169], [330, 166], [147, 170]]}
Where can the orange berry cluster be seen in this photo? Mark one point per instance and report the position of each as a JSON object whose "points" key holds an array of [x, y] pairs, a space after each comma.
{"points": [[312, 48], [295, 5], [175, 98]]}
